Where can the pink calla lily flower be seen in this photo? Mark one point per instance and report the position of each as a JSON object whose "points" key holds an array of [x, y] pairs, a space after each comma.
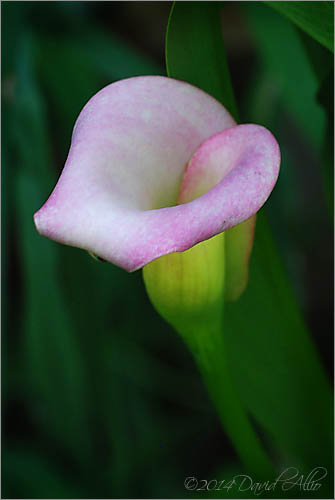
{"points": [[156, 166]]}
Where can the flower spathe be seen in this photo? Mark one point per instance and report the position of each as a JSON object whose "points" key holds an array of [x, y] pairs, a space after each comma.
{"points": [[156, 166]]}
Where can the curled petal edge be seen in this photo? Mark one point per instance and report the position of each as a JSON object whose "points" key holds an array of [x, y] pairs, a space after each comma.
{"points": [[227, 180]]}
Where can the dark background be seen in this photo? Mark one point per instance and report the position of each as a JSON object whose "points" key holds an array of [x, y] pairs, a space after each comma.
{"points": [[100, 398]]}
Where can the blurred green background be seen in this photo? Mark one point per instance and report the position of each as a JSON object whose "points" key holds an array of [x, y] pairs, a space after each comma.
{"points": [[100, 398]]}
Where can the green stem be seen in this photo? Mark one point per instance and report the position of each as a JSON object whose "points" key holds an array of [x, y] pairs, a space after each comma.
{"points": [[207, 346], [187, 289]]}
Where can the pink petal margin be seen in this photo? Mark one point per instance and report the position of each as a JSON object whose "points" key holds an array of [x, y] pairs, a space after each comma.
{"points": [[130, 148]]}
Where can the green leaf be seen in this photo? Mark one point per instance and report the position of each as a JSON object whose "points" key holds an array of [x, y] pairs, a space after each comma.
{"points": [[294, 53], [290, 80], [321, 60], [274, 361], [322, 63], [194, 41], [272, 358], [316, 18], [326, 99]]}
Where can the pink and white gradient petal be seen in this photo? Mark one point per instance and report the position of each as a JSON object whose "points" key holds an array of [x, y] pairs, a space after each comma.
{"points": [[139, 147]]}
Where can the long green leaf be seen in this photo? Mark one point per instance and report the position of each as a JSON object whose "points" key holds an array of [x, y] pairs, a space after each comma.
{"points": [[316, 18], [290, 77], [322, 63], [194, 41], [274, 360]]}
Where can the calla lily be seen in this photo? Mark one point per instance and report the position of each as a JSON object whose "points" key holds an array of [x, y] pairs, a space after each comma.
{"points": [[157, 172], [156, 166]]}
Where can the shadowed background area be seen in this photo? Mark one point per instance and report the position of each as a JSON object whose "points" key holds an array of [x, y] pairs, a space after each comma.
{"points": [[100, 398]]}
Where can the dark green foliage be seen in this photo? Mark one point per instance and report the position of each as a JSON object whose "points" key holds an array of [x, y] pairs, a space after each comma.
{"points": [[316, 18], [100, 397]]}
